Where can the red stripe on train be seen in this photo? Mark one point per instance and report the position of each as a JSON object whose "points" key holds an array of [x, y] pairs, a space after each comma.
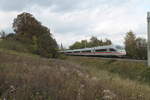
{"points": [[89, 52], [103, 52]]}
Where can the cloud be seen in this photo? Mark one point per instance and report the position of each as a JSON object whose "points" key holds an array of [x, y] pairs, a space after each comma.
{"points": [[73, 20], [57, 5], [6, 20]]}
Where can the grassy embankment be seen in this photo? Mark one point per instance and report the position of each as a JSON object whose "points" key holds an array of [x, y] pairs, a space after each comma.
{"points": [[131, 79], [138, 71], [27, 77], [30, 77]]}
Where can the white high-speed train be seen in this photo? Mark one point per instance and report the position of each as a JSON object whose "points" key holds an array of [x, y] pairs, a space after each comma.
{"points": [[109, 50]]}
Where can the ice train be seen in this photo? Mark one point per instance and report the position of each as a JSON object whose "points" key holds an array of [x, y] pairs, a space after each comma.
{"points": [[109, 50]]}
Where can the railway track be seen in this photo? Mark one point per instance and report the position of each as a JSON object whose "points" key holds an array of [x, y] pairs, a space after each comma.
{"points": [[125, 59], [115, 58]]}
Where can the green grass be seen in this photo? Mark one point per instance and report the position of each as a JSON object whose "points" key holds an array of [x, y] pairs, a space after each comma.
{"points": [[13, 52], [126, 69], [14, 45]]}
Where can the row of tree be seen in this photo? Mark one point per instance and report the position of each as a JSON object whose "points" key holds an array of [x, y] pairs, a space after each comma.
{"points": [[94, 41], [136, 47], [31, 33]]}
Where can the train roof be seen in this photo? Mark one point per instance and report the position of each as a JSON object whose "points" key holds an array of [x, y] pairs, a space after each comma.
{"points": [[102, 47], [98, 47]]}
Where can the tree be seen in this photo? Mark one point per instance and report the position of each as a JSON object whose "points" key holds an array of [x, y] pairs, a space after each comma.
{"points": [[79, 45], [26, 26], [136, 47], [130, 44], [141, 48], [94, 41], [107, 42], [47, 46], [76, 45], [101, 42], [38, 37], [84, 44], [3, 34], [10, 36]]}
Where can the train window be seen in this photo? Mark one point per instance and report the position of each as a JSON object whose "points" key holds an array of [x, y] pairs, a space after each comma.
{"points": [[119, 47], [111, 49], [87, 51], [76, 51], [68, 52], [101, 50]]}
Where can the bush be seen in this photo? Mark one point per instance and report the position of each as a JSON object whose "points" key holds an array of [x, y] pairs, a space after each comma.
{"points": [[145, 75], [14, 45], [62, 56]]}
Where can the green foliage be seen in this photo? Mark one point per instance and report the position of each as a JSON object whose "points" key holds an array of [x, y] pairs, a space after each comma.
{"points": [[141, 46], [10, 36], [130, 44], [92, 43], [135, 47], [14, 45], [2, 35], [146, 75], [77, 45], [47, 46], [62, 56]]}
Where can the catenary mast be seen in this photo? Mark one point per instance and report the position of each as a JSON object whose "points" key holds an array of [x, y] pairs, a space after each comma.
{"points": [[148, 42]]}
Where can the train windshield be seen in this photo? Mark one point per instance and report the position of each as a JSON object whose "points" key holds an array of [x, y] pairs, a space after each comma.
{"points": [[119, 47]]}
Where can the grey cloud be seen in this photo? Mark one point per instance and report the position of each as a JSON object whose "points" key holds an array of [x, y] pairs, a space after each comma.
{"points": [[13, 5], [106, 17], [56, 5]]}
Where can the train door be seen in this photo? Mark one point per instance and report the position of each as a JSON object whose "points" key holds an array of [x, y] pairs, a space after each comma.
{"points": [[107, 50], [93, 51]]}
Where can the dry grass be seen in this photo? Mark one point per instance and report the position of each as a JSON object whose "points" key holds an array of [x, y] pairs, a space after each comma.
{"points": [[25, 77], [121, 85], [125, 69], [29, 77]]}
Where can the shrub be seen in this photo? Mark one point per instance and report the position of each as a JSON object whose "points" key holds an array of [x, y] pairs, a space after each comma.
{"points": [[145, 75], [62, 56], [14, 45]]}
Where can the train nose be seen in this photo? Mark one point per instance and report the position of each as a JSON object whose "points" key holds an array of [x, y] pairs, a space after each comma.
{"points": [[123, 52]]}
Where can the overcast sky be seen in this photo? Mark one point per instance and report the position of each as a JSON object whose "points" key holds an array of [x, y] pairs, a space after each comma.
{"points": [[72, 20]]}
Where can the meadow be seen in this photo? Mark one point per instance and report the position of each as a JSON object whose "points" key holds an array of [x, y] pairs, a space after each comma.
{"points": [[25, 76]]}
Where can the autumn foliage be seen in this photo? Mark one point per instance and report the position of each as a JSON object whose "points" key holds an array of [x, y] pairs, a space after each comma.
{"points": [[35, 37]]}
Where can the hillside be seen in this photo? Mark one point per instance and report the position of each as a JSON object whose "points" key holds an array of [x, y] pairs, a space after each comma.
{"points": [[30, 77]]}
